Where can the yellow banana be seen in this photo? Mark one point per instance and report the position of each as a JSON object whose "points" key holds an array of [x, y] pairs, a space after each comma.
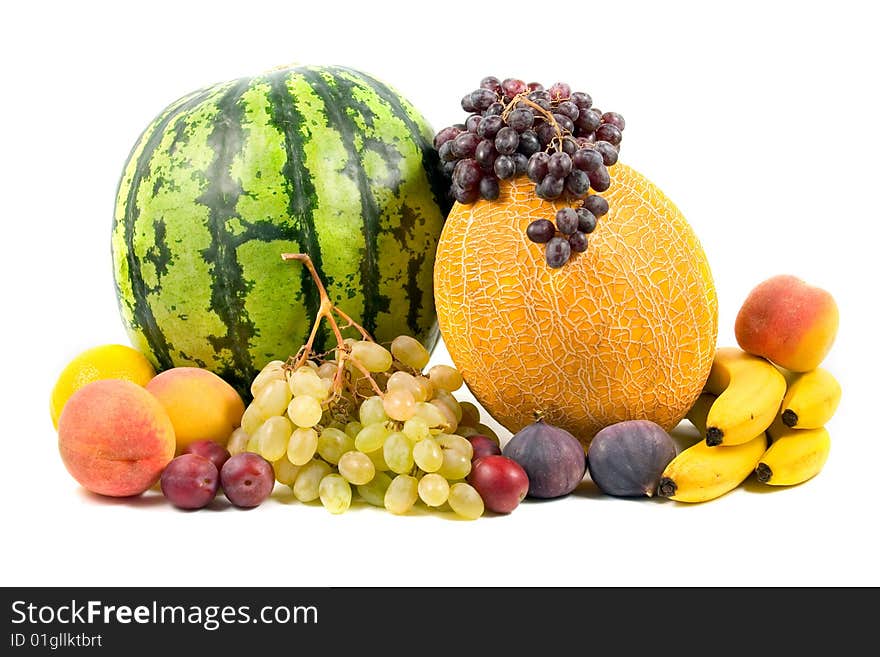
{"points": [[795, 456], [811, 399], [750, 390], [700, 411], [701, 473]]}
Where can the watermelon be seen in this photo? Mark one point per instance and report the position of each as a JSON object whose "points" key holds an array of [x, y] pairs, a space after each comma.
{"points": [[325, 160]]}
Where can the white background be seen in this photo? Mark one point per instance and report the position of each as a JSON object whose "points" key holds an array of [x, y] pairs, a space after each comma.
{"points": [[759, 120]]}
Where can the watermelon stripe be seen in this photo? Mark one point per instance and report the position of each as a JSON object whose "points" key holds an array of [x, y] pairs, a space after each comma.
{"points": [[301, 194], [338, 118], [142, 313], [228, 287]]}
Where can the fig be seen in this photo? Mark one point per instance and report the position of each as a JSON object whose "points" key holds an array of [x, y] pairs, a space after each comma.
{"points": [[627, 459], [553, 459]]}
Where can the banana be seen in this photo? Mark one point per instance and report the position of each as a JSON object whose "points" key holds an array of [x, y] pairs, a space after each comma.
{"points": [[701, 473], [795, 456], [811, 399], [750, 391], [700, 411]]}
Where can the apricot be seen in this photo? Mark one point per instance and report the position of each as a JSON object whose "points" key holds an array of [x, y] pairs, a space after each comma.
{"points": [[201, 405], [789, 322], [115, 437]]}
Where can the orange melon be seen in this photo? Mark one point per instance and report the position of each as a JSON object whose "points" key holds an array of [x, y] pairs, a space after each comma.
{"points": [[626, 330]]}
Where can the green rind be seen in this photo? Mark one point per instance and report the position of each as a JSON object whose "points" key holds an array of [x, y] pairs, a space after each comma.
{"points": [[326, 161]]}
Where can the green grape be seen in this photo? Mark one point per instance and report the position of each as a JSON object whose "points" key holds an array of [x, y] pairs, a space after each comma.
{"points": [[353, 428], [449, 423], [451, 402], [373, 491], [373, 356], [327, 369], [445, 377], [470, 414], [305, 381], [308, 481], [272, 436], [465, 501], [378, 459], [455, 465], [406, 381], [253, 444], [372, 411], [273, 398], [397, 452], [431, 414], [335, 493], [356, 467], [333, 443], [285, 471], [402, 494], [410, 352], [273, 371], [399, 405], [426, 386], [433, 489], [456, 442], [237, 442], [252, 419], [428, 455], [302, 445], [371, 437], [416, 429], [305, 411]]}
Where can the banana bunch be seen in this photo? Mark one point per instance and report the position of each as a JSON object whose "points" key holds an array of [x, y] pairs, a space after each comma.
{"points": [[755, 417]]}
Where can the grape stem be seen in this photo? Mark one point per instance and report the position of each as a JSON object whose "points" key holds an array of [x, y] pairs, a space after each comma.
{"points": [[325, 311], [548, 115]]}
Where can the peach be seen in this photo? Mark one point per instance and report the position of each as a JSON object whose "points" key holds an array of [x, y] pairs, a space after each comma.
{"points": [[201, 405], [115, 438], [789, 322]]}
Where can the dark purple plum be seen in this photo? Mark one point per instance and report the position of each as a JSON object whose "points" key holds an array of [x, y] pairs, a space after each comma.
{"points": [[627, 459], [247, 479], [553, 459], [190, 481], [214, 452]]}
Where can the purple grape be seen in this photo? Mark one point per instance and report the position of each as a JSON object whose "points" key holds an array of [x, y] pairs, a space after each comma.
{"points": [[610, 133], [569, 109], [504, 167], [550, 187], [578, 242], [521, 162], [465, 196], [538, 166], [559, 165], [569, 146], [564, 122], [557, 252], [485, 154], [582, 100], [511, 87], [467, 103], [448, 167], [540, 231], [465, 144], [446, 153], [577, 183], [494, 109], [559, 91], [528, 143], [445, 135], [597, 205], [473, 122], [190, 481], [614, 119], [599, 179], [482, 98], [506, 140], [586, 220], [588, 121], [247, 479], [491, 83], [490, 126], [608, 152], [489, 188], [467, 174], [587, 159], [535, 86], [214, 452], [521, 119], [566, 220]]}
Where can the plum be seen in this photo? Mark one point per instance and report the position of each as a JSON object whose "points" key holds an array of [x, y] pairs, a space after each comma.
{"points": [[627, 459], [553, 459]]}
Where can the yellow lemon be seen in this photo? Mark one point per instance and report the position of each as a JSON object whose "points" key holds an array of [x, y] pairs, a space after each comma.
{"points": [[109, 361]]}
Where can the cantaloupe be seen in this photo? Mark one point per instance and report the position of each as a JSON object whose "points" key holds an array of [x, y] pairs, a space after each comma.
{"points": [[624, 331]]}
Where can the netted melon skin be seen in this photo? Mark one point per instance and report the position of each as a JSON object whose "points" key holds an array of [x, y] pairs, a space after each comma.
{"points": [[626, 330]]}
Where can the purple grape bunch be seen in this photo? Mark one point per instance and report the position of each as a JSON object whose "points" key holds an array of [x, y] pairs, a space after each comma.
{"points": [[554, 136]]}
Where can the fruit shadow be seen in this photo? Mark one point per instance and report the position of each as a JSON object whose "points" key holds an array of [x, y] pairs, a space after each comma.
{"points": [[147, 499]]}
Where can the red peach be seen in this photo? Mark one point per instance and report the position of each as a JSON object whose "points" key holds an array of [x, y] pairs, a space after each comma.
{"points": [[115, 438], [788, 322]]}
